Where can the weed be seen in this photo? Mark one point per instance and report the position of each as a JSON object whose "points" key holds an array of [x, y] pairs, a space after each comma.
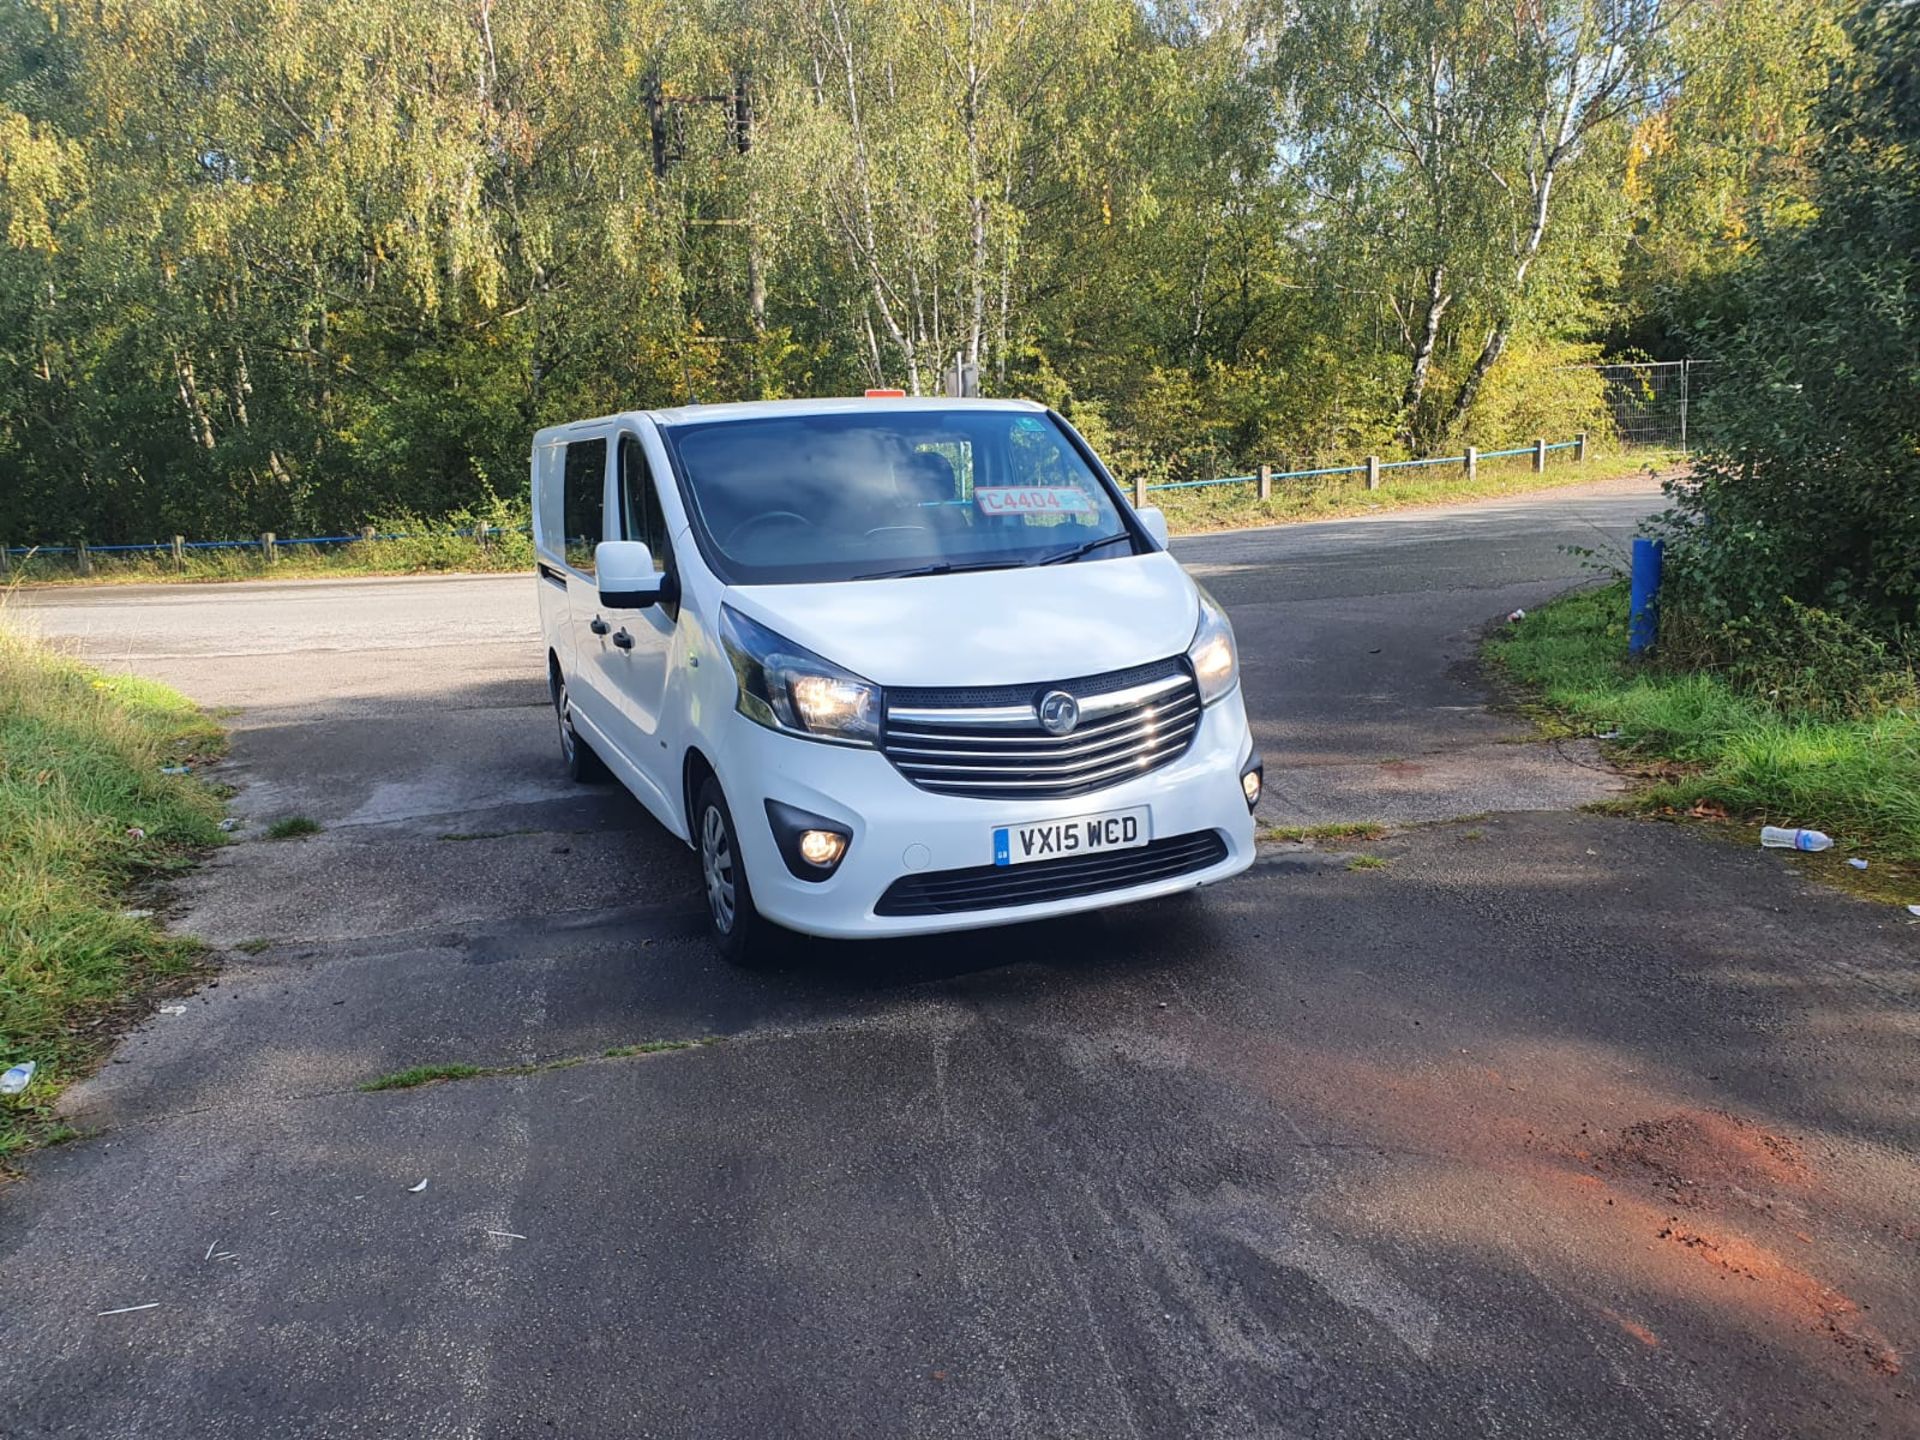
{"points": [[1340, 830], [423, 1075], [1474, 835], [432, 1074], [292, 827], [1368, 862]]}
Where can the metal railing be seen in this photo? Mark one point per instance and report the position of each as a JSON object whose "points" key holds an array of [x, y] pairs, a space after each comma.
{"points": [[1372, 468]]}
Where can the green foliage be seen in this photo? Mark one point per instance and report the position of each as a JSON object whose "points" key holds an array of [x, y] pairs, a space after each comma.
{"points": [[290, 267], [1711, 741], [85, 812], [1795, 545]]}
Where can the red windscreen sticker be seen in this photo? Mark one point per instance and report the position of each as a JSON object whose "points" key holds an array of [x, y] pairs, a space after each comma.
{"points": [[1033, 500]]}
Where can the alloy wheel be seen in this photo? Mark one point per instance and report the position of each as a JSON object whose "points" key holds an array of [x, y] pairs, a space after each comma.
{"points": [[716, 863]]}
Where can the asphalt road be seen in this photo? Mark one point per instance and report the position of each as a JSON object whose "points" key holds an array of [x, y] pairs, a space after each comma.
{"points": [[1559, 1125]]}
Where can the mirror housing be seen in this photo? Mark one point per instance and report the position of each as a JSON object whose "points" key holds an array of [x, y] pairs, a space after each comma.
{"points": [[625, 573], [1155, 521]]}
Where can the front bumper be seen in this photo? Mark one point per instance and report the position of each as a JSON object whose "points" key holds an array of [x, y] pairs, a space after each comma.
{"points": [[900, 830]]}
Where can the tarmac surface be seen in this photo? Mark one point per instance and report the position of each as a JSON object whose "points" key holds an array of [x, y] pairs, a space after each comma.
{"points": [[1555, 1125]]}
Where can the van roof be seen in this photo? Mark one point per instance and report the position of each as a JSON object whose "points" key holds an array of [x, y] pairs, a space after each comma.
{"points": [[761, 409]]}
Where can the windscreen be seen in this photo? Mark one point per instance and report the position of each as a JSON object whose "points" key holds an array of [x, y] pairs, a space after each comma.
{"points": [[873, 494]]}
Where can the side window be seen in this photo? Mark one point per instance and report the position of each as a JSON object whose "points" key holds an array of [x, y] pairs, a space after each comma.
{"points": [[640, 515], [584, 486]]}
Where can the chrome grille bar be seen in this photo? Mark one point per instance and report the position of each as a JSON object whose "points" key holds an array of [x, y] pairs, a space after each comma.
{"points": [[1131, 722]]}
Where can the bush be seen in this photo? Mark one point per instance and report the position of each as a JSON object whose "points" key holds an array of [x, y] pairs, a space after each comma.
{"points": [[1794, 546]]}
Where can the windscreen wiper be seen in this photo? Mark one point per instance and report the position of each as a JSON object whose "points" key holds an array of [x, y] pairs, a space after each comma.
{"points": [[939, 567], [1077, 551]]}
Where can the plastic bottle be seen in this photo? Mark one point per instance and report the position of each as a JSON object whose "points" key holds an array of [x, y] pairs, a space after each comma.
{"points": [[15, 1080], [1774, 838]]}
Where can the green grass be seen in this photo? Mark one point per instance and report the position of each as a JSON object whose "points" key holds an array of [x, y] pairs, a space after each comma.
{"points": [[292, 828], [85, 816], [1368, 862], [424, 1075], [1227, 507], [1340, 830], [460, 1070], [1702, 743]]}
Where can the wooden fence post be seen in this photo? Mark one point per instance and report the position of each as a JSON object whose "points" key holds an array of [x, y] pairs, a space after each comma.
{"points": [[1373, 472], [1473, 464], [1266, 482], [1580, 448], [6, 560], [1139, 492], [366, 534], [180, 552], [267, 549], [82, 561], [1539, 457]]}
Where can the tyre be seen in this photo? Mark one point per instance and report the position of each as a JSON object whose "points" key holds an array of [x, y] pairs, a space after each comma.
{"points": [[582, 764], [739, 932]]}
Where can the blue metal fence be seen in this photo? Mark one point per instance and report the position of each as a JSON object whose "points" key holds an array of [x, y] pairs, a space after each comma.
{"points": [[1382, 465], [264, 542]]}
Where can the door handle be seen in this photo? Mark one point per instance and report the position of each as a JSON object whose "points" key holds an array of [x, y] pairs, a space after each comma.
{"points": [[598, 626], [623, 639]]}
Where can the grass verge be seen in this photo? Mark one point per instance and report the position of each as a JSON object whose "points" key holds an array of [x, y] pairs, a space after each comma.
{"points": [[85, 816], [1704, 746]]}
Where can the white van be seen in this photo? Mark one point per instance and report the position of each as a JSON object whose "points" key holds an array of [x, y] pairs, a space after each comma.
{"points": [[890, 666]]}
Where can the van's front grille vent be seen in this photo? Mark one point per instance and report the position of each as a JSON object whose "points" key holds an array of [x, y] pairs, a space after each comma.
{"points": [[990, 743], [996, 887]]}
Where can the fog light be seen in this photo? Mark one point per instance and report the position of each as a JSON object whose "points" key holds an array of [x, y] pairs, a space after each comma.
{"points": [[822, 847], [812, 846], [1250, 779]]}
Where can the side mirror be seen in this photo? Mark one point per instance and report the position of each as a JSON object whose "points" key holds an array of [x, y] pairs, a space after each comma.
{"points": [[1155, 520], [626, 575]]}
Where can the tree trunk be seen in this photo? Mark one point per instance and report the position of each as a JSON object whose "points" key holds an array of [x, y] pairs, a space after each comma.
{"points": [[1437, 301]]}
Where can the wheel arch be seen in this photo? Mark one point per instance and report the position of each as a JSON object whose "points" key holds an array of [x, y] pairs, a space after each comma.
{"points": [[695, 770]]}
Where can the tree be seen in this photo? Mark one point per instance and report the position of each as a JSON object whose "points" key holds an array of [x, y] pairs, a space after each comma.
{"points": [[1810, 499]]}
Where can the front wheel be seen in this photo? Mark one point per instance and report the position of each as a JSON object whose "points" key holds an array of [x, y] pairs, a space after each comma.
{"points": [[739, 932]]}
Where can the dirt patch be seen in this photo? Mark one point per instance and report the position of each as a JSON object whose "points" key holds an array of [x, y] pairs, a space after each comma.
{"points": [[1694, 1157], [1788, 1289]]}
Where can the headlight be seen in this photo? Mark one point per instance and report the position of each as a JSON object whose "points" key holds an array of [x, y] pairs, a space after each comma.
{"points": [[1216, 664], [787, 687]]}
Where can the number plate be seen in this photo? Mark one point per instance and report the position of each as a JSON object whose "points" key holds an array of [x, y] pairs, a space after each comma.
{"points": [[1077, 835]]}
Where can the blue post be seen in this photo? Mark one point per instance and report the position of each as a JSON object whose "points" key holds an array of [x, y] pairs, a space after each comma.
{"points": [[1649, 557]]}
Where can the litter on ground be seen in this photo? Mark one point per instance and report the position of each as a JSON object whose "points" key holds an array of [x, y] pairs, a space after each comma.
{"points": [[129, 1309], [416, 1189]]}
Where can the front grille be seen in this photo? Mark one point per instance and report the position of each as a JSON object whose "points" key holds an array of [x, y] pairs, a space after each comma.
{"points": [[989, 887], [989, 744]]}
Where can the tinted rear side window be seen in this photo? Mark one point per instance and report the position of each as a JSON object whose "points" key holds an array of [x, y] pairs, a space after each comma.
{"points": [[585, 491]]}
